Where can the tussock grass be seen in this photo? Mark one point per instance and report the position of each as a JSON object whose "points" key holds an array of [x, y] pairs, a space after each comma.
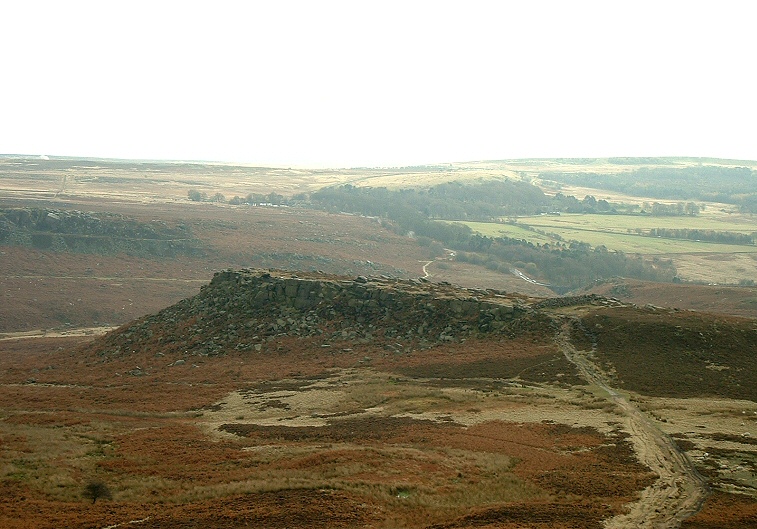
{"points": [[51, 459]]}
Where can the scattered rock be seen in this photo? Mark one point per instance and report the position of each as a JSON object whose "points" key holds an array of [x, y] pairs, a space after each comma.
{"points": [[241, 310]]}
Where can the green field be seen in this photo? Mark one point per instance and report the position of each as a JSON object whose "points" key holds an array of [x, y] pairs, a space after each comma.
{"points": [[624, 223], [617, 232]]}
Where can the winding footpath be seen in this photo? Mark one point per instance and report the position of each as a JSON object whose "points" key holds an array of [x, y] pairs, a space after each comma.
{"points": [[679, 491]]}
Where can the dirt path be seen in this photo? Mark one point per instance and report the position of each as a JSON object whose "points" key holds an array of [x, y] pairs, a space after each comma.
{"points": [[679, 491], [449, 254], [44, 333], [130, 522], [425, 271]]}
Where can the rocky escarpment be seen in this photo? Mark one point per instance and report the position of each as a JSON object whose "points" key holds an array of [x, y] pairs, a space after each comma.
{"points": [[90, 232], [253, 310]]}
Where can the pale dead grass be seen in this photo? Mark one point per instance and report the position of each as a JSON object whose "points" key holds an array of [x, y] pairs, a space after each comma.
{"points": [[447, 482], [45, 333], [54, 460], [405, 478], [476, 276], [349, 393], [679, 416], [721, 269], [352, 393], [701, 422]]}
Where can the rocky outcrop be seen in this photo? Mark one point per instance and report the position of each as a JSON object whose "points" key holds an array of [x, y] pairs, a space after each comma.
{"points": [[575, 301], [88, 232], [250, 310]]}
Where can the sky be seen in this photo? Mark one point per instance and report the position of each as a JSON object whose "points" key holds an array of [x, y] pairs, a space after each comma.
{"points": [[384, 83]]}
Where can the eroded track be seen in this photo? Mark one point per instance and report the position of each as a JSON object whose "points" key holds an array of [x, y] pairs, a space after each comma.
{"points": [[680, 490]]}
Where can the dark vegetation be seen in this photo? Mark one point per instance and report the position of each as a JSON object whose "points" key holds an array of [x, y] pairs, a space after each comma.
{"points": [[679, 209], [724, 237], [96, 490], [252, 199], [725, 511], [684, 354], [567, 267], [375, 429], [543, 369], [731, 185], [483, 200], [418, 212]]}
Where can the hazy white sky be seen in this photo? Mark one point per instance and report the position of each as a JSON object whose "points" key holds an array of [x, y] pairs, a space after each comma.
{"points": [[332, 83]]}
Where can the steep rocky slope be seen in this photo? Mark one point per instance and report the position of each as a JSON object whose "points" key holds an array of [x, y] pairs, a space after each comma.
{"points": [[251, 310]]}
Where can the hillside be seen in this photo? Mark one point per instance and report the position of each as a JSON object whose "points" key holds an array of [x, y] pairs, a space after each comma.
{"points": [[355, 401], [247, 310], [721, 299], [264, 312], [239, 222], [278, 364]]}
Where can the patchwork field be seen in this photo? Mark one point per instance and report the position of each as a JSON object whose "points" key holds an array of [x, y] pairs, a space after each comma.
{"points": [[694, 259], [617, 232]]}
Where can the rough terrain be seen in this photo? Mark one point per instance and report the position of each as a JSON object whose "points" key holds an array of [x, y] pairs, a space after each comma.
{"points": [[359, 387], [280, 388], [680, 491]]}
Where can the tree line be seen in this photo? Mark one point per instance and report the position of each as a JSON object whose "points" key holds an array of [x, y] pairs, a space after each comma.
{"points": [[724, 237], [730, 185], [566, 267], [483, 200], [252, 199], [419, 213]]}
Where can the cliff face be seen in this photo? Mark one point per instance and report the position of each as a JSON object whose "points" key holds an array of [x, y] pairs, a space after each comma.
{"points": [[364, 299], [100, 233], [249, 310]]}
